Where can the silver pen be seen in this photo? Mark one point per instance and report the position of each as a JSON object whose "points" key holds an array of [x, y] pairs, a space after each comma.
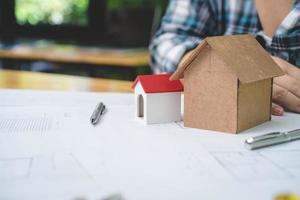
{"points": [[114, 197], [98, 112], [270, 139]]}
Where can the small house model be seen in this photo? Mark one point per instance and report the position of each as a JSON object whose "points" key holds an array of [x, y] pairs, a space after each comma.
{"points": [[228, 84], [158, 100]]}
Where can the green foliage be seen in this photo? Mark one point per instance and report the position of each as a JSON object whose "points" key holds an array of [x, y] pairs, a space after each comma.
{"points": [[53, 12]]}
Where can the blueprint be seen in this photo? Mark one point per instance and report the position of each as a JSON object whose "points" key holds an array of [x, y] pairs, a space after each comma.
{"points": [[49, 150]]}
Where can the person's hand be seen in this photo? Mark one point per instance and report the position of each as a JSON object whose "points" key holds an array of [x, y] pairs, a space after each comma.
{"points": [[286, 89]]}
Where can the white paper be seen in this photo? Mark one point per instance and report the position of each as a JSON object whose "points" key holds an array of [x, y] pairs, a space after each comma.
{"points": [[51, 151], [52, 98]]}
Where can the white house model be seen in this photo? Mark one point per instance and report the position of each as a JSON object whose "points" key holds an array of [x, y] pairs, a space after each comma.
{"points": [[157, 99]]}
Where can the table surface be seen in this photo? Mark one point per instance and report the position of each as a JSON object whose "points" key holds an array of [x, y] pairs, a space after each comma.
{"points": [[49, 150], [75, 54], [41, 81]]}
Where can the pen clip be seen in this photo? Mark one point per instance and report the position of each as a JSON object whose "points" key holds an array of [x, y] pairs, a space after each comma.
{"points": [[297, 131], [102, 109], [294, 134], [264, 137]]}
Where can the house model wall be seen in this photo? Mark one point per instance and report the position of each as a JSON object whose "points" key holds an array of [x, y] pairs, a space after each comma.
{"points": [[157, 99], [228, 84]]}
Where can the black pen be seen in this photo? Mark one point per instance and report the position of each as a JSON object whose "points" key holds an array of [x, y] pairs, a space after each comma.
{"points": [[98, 112]]}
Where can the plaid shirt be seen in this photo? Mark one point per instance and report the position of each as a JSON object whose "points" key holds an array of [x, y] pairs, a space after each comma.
{"points": [[187, 22]]}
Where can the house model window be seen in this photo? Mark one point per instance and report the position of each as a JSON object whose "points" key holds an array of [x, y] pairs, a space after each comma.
{"points": [[158, 100]]}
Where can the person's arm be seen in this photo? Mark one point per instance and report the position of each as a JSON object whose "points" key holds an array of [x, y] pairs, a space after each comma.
{"points": [[183, 27]]}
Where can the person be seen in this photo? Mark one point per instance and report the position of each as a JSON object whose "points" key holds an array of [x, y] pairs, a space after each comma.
{"points": [[275, 24]]}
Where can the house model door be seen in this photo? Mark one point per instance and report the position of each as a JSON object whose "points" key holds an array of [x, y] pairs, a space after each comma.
{"points": [[140, 106]]}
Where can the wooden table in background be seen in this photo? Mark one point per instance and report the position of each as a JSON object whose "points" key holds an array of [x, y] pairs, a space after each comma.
{"points": [[41, 81], [130, 58]]}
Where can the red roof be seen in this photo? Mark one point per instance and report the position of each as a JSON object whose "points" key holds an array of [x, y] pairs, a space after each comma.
{"points": [[158, 83]]}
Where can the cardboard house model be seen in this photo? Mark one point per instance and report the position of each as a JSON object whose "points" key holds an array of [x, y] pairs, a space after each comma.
{"points": [[158, 100], [227, 84]]}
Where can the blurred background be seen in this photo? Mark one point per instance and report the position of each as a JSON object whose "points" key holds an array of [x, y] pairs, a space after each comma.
{"points": [[92, 38]]}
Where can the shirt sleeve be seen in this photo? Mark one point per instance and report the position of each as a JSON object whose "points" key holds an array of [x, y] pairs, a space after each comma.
{"points": [[183, 27], [286, 41]]}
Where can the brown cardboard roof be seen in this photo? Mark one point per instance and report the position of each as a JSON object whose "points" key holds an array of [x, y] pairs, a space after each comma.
{"points": [[178, 74], [243, 54]]}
